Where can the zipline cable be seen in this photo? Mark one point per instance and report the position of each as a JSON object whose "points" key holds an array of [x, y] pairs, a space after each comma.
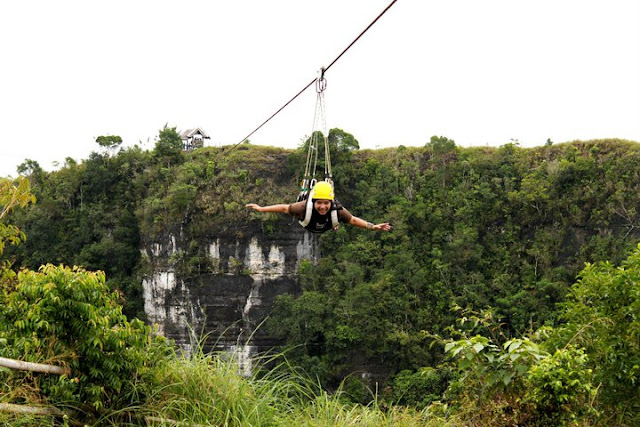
{"points": [[361, 34], [314, 80]]}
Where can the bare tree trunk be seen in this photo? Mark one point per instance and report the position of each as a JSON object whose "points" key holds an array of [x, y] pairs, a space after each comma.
{"points": [[34, 367], [31, 410]]}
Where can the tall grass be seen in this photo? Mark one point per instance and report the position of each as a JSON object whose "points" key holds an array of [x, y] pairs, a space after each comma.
{"points": [[21, 420], [331, 411], [209, 389]]}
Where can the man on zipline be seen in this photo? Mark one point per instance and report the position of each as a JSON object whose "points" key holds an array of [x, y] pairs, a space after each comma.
{"points": [[320, 212]]}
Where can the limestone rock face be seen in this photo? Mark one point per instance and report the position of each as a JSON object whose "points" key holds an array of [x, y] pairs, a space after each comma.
{"points": [[232, 291]]}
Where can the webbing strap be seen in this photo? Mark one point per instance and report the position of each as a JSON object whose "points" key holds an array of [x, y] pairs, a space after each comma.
{"points": [[319, 127], [308, 211], [319, 124]]}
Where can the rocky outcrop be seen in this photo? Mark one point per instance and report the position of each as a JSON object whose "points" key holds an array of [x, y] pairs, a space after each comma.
{"points": [[224, 304]]}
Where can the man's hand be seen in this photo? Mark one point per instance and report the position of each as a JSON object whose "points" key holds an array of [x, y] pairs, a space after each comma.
{"points": [[385, 226], [254, 206]]}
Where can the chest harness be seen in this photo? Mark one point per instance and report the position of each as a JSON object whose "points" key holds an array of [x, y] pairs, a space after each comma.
{"points": [[316, 223]]}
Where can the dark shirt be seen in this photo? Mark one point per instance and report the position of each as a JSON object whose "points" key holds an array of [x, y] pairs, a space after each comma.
{"points": [[298, 209]]}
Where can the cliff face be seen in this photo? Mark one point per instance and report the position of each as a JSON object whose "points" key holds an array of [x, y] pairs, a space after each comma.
{"points": [[226, 303]]}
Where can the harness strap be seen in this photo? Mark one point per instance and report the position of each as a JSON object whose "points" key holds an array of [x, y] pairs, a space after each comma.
{"points": [[318, 130], [334, 219], [308, 212]]}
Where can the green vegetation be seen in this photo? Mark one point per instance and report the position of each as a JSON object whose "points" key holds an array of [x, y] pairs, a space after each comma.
{"points": [[584, 371], [505, 228], [502, 235], [69, 315]]}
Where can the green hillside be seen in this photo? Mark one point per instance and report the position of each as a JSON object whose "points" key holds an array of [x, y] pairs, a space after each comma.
{"points": [[495, 237]]}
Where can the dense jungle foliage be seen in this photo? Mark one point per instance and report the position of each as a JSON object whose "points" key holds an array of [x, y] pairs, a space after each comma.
{"points": [[469, 306]]}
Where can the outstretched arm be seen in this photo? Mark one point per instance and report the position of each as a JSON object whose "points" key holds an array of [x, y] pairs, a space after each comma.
{"points": [[359, 222], [272, 208]]}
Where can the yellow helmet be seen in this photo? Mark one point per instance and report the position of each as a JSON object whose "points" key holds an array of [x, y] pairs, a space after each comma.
{"points": [[322, 190]]}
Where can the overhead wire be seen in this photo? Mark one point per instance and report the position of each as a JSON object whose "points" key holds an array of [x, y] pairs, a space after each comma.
{"points": [[314, 80]]}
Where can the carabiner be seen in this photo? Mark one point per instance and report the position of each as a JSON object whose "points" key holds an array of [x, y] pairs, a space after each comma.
{"points": [[321, 82]]}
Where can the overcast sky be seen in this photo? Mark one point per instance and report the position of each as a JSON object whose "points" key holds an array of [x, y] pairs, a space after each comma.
{"points": [[478, 72]]}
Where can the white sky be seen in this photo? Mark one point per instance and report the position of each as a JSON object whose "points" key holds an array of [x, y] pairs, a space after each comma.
{"points": [[478, 72]]}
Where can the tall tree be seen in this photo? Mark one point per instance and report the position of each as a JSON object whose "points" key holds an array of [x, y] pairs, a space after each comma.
{"points": [[109, 142], [168, 147]]}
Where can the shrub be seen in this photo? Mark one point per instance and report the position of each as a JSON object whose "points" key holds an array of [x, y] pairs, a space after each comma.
{"points": [[559, 388], [420, 388], [601, 315], [69, 316]]}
